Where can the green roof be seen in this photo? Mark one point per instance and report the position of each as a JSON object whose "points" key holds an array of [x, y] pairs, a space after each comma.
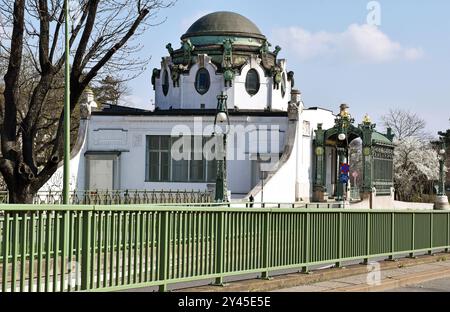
{"points": [[224, 24], [379, 137]]}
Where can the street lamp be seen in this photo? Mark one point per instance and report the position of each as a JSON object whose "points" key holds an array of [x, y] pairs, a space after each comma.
{"points": [[442, 154], [221, 117], [442, 199]]}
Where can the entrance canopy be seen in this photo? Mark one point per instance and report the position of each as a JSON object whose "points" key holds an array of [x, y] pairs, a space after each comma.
{"points": [[377, 154]]}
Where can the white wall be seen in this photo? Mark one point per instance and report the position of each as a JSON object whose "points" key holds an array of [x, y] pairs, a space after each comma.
{"points": [[313, 117], [127, 134], [186, 96]]}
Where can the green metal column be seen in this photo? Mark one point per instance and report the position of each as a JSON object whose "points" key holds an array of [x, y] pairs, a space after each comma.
{"points": [[368, 231], [66, 186], [86, 251], [430, 252], [367, 153], [319, 165], [413, 234], [340, 240], [342, 157], [266, 245], [163, 250], [391, 257], [221, 181], [307, 243], [220, 241]]}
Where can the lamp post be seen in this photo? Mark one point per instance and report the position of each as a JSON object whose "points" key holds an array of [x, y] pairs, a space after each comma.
{"points": [[66, 184], [221, 117], [442, 154], [442, 199]]}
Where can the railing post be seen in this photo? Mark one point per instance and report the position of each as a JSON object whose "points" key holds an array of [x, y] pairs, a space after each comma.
{"points": [[305, 269], [86, 251], [163, 250], [430, 252], [266, 245], [391, 257], [340, 242], [6, 250], [413, 234], [448, 232], [220, 239], [368, 230]]}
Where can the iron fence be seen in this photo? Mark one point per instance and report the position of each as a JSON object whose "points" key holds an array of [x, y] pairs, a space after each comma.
{"points": [[119, 197], [48, 248], [355, 193]]}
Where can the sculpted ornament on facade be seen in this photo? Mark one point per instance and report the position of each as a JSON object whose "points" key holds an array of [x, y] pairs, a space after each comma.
{"points": [[227, 63], [176, 71], [188, 48], [277, 77], [156, 74], [277, 50], [227, 53], [169, 48], [290, 77], [265, 48], [228, 76], [85, 111]]}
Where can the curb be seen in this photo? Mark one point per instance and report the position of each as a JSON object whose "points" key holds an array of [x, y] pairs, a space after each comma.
{"points": [[299, 279]]}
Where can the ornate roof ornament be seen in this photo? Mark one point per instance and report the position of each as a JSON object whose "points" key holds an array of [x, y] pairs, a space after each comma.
{"points": [[367, 120], [176, 71], [265, 48], [227, 63], [344, 113], [188, 48], [277, 50], [169, 48], [277, 77], [156, 74], [290, 77]]}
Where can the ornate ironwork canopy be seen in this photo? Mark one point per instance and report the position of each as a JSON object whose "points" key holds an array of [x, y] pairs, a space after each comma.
{"points": [[377, 153]]}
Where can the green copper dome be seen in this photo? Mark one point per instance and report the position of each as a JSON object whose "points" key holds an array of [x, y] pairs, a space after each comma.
{"points": [[224, 24]]}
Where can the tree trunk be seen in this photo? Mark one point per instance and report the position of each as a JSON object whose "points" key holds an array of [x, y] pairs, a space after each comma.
{"points": [[20, 194]]}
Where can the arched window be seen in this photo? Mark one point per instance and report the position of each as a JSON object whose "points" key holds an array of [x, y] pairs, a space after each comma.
{"points": [[283, 85], [202, 81], [252, 82], [166, 83]]}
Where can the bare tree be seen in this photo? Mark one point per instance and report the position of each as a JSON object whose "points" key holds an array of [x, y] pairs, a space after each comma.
{"points": [[404, 124], [102, 40], [415, 161]]}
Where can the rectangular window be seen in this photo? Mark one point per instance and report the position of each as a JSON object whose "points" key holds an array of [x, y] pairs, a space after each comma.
{"points": [[158, 155], [161, 167]]}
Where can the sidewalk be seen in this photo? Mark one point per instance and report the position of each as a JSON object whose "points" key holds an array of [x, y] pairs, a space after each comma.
{"points": [[352, 278], [389, 279]]}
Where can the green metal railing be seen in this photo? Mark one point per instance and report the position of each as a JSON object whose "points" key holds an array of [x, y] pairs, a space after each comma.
{"points": [[48, 248]]}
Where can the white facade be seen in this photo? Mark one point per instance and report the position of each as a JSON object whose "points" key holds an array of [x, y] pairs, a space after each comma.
{"points": [[186, 96], [125, 149]]}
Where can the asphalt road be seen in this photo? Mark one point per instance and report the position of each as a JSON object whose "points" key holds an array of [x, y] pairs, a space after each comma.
{"points": [[440, 285]]}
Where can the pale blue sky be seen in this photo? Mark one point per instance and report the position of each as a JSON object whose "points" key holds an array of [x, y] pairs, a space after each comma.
{"points": [[336, 56]]}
